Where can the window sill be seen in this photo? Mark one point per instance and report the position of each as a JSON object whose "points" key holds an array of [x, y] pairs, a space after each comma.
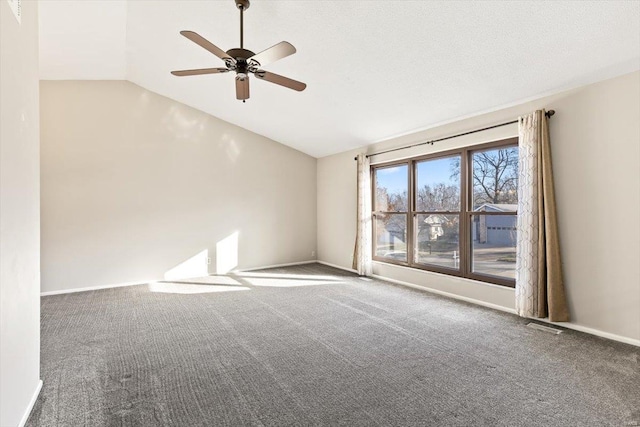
{"points": [[443, 275]]}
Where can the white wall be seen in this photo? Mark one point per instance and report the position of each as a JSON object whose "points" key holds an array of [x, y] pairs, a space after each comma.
{"points": [[135, 184], [595, 137], [19, 214]]}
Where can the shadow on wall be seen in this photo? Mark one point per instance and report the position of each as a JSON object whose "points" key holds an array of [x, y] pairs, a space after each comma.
{"points": [[192, 276], [198, 265]]}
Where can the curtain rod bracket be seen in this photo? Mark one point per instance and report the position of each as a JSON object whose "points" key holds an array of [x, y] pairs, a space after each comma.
{"points": [[548, 114]]}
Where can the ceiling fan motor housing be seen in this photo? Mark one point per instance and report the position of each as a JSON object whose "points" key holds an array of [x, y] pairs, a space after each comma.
{"points": [[241, 56]]}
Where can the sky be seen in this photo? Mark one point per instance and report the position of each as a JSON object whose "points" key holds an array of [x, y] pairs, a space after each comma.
{"points": [[429, 172]]}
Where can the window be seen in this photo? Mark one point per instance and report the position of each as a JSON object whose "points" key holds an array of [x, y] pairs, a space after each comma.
{"points": [[437, 212], [495, 203], [453, 212], [391, 204]]}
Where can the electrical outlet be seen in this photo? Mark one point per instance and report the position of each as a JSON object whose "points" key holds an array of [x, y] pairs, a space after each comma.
{"points": [[313, 253], [208, 261]]}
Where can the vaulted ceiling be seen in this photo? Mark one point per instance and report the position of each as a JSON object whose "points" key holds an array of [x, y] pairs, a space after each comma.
{"points": [[374, 69]]}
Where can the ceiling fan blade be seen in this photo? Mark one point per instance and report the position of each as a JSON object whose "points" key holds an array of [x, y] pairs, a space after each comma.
{"points": [[281, 80], [242, 86], [183, 73], [201, 41], [275, 52]]}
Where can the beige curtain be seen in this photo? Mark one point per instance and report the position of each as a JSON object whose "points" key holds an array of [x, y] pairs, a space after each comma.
{"points": [[363, 248], [539, 283]]}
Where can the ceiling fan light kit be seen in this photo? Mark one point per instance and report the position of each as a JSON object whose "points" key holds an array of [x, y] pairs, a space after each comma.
{"points": [[243, 61]]}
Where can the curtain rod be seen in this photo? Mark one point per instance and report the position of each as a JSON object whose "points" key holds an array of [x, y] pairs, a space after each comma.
{"points": [[548, 114]]}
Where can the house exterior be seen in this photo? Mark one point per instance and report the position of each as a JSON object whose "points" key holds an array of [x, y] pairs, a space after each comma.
{"points": [[499, 230], [433, 227]]}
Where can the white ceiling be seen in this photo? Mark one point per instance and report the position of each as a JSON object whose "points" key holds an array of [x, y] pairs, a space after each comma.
{"points": [[374, 69], [83, 40]]}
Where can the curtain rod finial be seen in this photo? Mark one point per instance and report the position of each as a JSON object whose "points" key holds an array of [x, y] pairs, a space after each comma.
{"points": [[551, 113]]}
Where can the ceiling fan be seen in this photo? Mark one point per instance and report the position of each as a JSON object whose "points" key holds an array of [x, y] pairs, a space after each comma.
{"points": [[243, 61]]}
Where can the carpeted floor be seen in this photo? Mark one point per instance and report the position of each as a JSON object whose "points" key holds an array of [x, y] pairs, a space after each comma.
{"points": [[311, 345]]}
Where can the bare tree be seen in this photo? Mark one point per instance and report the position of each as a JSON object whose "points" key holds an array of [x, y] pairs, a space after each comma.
{"points": [[495, 176], [390, 202], [441, 197]]}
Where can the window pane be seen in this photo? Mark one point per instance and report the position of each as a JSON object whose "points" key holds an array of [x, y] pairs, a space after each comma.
{"points": [[495, 179], [391, 189], [391, 236], [438, 185], [494, 245], [437, 240]]}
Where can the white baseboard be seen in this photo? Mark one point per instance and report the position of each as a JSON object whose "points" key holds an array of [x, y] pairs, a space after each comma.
{"points": [[350, 270], [567, 325], [312, 261], [94, 288], [591, 331], [447, 294], [32, 402], [119, 285]]}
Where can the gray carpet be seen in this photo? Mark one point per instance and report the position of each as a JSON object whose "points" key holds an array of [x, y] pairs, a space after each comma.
{"points": [[311, 345]]}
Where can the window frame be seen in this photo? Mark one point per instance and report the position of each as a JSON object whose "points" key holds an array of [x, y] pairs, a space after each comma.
{"points": [[374, 212], [466, 213], [414, 213]]}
